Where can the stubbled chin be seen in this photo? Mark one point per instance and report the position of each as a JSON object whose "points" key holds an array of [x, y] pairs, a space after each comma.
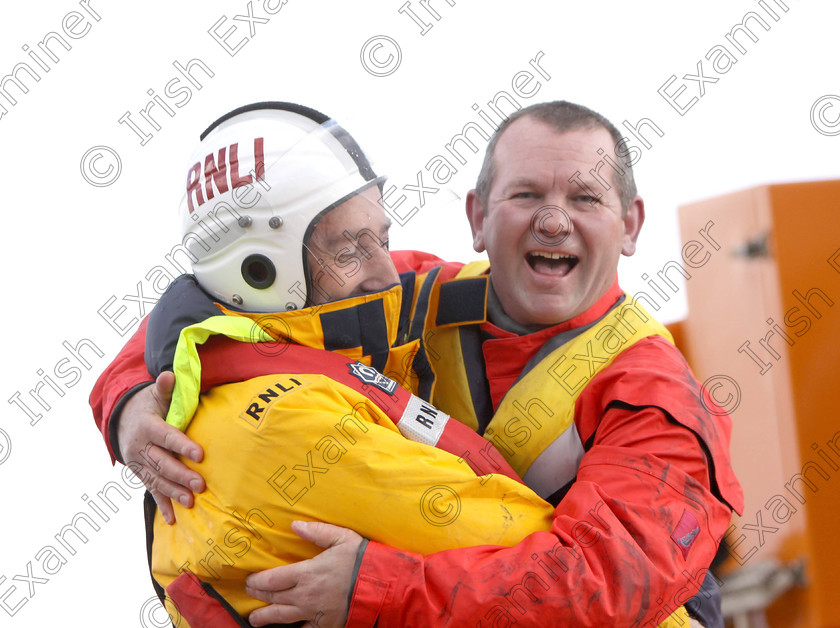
{"points": [[540, 300]]}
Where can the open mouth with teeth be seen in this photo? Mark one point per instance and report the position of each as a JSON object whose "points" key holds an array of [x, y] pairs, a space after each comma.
{"points": [[555, 264]]}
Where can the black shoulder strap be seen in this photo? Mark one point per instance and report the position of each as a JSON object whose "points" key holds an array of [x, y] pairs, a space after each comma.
{"points": [[422, 305]]}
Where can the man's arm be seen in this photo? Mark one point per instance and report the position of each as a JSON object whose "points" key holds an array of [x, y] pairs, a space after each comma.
{"points": [[630, 540], [418, 261], [614, 555], [121, 379]]}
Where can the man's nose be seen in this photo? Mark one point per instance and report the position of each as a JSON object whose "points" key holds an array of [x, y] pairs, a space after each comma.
{"points": [[551, 225]]}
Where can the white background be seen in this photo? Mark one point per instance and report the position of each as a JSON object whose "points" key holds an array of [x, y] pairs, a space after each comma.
{"points": [[68, 246]]}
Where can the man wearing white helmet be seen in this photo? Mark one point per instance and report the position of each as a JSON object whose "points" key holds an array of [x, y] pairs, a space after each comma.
{"points": [[299, 167]]}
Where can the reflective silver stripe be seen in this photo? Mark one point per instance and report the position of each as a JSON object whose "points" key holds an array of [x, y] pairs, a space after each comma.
{"points": [[422, 422], [556, 465]]}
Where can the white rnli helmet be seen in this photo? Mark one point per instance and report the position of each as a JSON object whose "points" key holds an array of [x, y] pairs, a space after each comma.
{"points": [[259, 178]]}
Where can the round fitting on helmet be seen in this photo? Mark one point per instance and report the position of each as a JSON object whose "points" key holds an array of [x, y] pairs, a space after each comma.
{"points": [[258, 271]]}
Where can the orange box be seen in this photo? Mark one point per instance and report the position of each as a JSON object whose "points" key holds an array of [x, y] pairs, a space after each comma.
{"points": [[762, 270]]}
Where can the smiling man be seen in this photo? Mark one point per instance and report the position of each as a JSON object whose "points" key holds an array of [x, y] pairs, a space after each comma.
{"points": [[580, 389], [550, 270]]}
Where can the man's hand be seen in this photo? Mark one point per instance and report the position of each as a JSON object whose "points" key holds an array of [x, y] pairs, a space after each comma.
{"points": [[148, 445], [315, 590]]}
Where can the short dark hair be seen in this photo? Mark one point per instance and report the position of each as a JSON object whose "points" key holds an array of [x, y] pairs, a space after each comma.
{"points": [[563, 116]]}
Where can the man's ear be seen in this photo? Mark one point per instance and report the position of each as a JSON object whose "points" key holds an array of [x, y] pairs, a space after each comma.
{"points": [[475, 214], [633, 221]]}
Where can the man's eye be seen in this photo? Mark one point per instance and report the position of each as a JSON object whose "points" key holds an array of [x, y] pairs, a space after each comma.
{"points": [[523, 195], [387, 245], [585, 198]]}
